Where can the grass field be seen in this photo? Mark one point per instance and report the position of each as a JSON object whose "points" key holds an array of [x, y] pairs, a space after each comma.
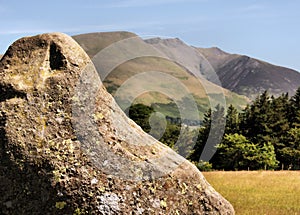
{"points": [[259, 192]]}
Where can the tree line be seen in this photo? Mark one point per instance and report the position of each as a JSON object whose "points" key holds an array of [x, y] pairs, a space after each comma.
{"points": [[264, 135]]}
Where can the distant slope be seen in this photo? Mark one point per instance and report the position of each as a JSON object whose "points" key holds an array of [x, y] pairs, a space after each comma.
{"points": [[187, 56], [183, 54], [216, 56], [237, 73], [92, 43], [249, 76], [198, 87], [241, 74]]}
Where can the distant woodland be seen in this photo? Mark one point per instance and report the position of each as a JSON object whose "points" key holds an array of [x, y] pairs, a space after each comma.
{"points": [[264, 135]]}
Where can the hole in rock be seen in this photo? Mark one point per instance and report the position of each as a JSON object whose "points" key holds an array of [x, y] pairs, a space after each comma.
{"points": [[57, 59]]}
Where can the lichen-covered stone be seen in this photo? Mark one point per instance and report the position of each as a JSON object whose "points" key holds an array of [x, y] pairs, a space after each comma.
{"points": [[67, 148]]}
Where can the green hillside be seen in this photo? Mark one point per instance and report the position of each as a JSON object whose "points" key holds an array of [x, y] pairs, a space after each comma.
{"points": [[173, 78]]}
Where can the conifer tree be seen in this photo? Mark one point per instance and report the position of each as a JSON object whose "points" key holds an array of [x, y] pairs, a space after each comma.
{"points": [[210, 134], [255, 120], [232, 120], [294, 112]]}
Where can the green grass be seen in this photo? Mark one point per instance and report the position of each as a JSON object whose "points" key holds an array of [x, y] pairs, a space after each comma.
{"points": [[259, 192]]}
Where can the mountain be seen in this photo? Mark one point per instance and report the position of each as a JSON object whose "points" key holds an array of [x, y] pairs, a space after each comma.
{"points": [[67, 148], [144, 57], [201, 70], [238, 73], [92, 43], [1, 55], [216, 56], [249, 76]]}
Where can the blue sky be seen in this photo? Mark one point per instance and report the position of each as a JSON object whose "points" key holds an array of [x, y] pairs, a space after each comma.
{"points": [[264, 29]]}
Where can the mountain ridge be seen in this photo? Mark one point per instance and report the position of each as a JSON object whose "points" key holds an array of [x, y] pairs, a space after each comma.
{"points": [[240, 74], [91, 38], [165, 61], [258, 76], [250, 76]]}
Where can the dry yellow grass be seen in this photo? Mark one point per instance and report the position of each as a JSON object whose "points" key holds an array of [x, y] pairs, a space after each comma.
{"points": [[259, 192]]}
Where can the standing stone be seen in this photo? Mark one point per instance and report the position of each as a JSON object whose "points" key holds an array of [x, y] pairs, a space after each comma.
{"points": [[67, 148]]}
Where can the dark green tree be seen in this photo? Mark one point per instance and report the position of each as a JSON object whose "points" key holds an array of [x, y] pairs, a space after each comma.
{"points": [[140, 114], [236, 152], [278, 123], [294, 110], [202, 137], [186, 140], [278, 116], [171, 135], [210, 134], [255, 119], [232, 120], [289, 154]]}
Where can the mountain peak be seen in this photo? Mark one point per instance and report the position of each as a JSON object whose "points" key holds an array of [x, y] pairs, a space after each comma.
{"points": [[123, 34], [168, 41], [214, 51], [92, 43], [238, 73]]}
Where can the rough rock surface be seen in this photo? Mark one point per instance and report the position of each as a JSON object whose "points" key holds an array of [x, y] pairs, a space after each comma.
{"points": [[64, 152]]}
